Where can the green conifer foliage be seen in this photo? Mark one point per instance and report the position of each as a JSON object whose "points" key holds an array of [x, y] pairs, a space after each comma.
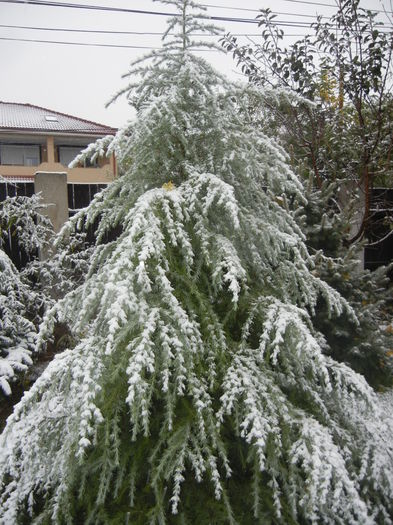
{"points": [[198, 390], [365, 345]]}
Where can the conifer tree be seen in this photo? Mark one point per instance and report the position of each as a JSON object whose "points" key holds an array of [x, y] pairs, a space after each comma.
{"points": [[198, 389]]}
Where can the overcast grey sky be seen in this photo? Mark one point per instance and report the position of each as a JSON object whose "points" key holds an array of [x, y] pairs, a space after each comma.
{"points": [[79, 80]]}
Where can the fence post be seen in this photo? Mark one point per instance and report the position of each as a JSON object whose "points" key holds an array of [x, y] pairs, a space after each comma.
{"points": [[53, 189]]}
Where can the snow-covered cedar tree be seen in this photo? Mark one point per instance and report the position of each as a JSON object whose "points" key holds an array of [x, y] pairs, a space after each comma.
{"points": [[198, 390]]}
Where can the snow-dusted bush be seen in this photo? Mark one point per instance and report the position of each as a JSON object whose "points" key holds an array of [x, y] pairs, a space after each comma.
{"points": [[367, 345], [26, 293], [17, 332], [21, 307], [21, 219], [199, 391]]}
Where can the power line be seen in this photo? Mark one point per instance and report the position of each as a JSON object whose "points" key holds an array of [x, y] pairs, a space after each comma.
{"points": [[115, 46], [292, 1], [90, 44], [113, 32], [309, 2], [298, 25], [258, 10], [97, 31], [48, 3], [231, 8], [140, 33]]}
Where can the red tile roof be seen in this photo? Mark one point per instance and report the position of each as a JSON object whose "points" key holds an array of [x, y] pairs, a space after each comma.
{"points": [[26, 117]]}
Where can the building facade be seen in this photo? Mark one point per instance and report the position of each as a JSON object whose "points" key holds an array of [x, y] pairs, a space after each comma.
{"points": [[35, 139]]}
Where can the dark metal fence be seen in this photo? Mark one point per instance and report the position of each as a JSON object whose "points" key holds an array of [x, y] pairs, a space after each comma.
{"points": [[11, 189], [80, 195], [380, 234]]}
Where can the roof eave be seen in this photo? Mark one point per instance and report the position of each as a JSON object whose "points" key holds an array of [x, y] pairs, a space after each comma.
{"points": [[87, 133]]}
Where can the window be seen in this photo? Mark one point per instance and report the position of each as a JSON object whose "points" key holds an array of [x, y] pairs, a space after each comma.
{"points": [[19, 155], [68, 153]]}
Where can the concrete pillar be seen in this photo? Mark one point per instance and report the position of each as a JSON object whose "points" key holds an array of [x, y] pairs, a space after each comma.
{"points": [[53, 189], [50, 148]]}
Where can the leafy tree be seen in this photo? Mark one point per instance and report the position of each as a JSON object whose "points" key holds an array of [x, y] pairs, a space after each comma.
{"points": [[331, 107], [340, 126], [198, 389]]}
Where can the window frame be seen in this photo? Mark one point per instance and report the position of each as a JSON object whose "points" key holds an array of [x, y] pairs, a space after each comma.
{"points": [[21, 145]]}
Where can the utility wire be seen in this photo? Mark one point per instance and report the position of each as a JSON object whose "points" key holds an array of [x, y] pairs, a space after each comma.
{"points": [[310, 3], [112, 32], [121, 46], [298, 25], [232, 8], [282, 23], [96, 31], [48, 3], [147, 33], [258, 11], [329, 5], [69, 5], [90, 44], [293, 14]]}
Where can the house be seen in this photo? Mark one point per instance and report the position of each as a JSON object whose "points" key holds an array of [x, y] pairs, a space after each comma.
{"points": [[36, 147], [35, 139]]}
